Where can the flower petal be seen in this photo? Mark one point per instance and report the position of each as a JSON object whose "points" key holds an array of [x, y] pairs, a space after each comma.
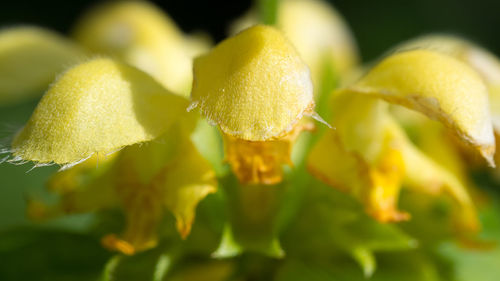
{"points": [[96, 107], [439, 86], [30, 58], [481, 60], [254, 86], [376, 186], [318, 32], [187, 181]]}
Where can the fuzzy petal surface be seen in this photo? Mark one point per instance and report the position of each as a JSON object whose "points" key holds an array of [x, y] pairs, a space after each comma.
{"points": [[441, 87], [96, 107], [254, 86]]}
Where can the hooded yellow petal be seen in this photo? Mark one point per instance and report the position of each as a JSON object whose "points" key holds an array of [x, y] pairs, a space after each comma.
{"points": [[439, 86], [317, 30], [254, 86], [143, 36], [30, 58], [481, 60], [96, 107]]}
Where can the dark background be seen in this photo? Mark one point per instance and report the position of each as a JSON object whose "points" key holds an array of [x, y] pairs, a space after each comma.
{"points": [[376, 24]]}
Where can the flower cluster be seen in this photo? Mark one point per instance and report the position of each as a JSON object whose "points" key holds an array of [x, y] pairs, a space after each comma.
{"points": [[148, 119]]}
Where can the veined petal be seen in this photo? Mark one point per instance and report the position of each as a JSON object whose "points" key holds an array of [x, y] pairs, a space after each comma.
{"points": [[30, 58], [439, 86], [96, 107], [143, 36], [254, 86]]}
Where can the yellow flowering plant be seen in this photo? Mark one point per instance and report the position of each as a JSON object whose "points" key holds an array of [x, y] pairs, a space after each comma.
{"points": [[271, 156]]}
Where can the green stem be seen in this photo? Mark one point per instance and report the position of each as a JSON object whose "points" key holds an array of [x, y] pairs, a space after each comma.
{"points": [[268, 11]]}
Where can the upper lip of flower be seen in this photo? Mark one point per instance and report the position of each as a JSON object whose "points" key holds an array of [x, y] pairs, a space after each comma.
{"points": [[248, 95]]}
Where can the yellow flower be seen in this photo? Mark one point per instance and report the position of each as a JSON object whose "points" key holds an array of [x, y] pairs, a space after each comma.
{"points": [[370, 156], [440, 87], [317, 30], [256, 89], [486, 64], [97, 107], [102, 106]]}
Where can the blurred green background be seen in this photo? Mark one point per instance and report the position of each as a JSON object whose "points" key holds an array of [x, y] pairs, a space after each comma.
{"points": [[377, 25]]}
